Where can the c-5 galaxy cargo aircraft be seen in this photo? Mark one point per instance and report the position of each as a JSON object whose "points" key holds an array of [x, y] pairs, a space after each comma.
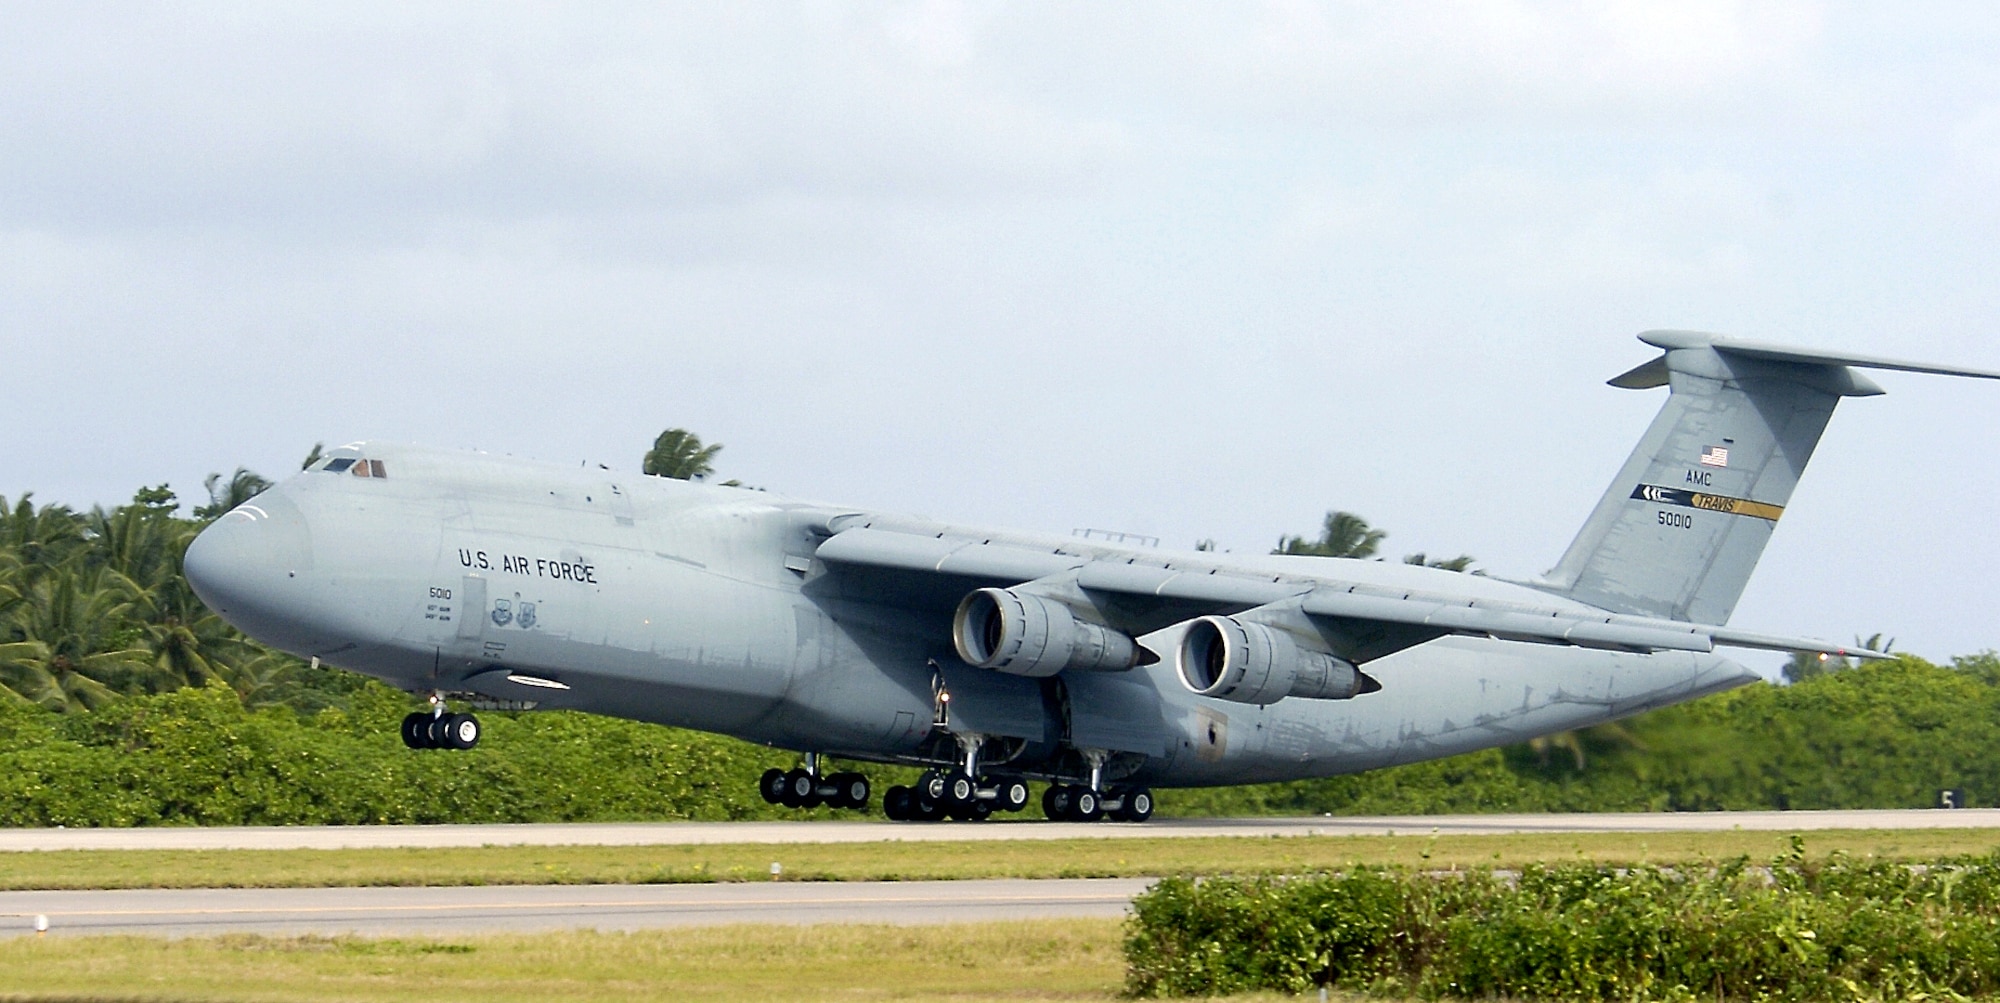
{"points": [[992, 657]]}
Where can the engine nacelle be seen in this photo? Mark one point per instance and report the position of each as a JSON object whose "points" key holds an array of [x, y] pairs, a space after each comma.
{"points": [[1028, 635], [1223, 657]]}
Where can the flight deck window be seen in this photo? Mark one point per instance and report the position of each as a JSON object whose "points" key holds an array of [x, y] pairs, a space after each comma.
{"points": [[359, 468]]}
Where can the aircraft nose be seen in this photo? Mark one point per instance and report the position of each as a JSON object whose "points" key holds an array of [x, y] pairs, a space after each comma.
{"points": [[252, 566]]}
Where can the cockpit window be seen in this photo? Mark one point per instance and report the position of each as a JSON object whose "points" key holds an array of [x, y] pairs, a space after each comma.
{"points": [[360, 468]]}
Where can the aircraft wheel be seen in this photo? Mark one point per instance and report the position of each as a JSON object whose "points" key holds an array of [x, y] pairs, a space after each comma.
{"points": [[461, 731], [435, 736], [1138, 806], [932, 785], [924, 808], [1013, 793], [1087, 807], [959, 789], [1057, 802], [772, 786], [896, 803], [415, 727], [801, 790], [853, 790]]}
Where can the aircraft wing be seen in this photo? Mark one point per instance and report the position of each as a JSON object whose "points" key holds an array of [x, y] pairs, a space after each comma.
{"points": [[1139, 593]]}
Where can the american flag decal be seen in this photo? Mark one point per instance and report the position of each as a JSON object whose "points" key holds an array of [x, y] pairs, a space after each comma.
{"points": [[1715, 456]]}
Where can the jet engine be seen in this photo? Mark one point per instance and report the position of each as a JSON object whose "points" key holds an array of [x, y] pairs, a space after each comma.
{"points": [[1028, 635], [1223, 657]]}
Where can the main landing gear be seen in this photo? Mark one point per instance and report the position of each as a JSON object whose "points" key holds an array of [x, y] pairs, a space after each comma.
{"points": [[954, 794], [1078, 803], [807, 788], [437, 728]]}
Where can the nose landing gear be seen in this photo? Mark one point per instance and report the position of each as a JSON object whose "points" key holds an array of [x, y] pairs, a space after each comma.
{"points": [[439, 729]]}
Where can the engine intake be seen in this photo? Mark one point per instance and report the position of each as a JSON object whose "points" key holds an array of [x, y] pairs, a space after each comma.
{"points": [[1224, 657], [1028, 635]]}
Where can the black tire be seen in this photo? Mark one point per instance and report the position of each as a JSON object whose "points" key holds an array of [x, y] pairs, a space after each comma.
{"points": [[896, 803], [771, 786], [960, 789], [932, 784], [1013, 793], [1088, 807], [801, 790], [414, 727], [435, 736], [461, 731], [1058, 802], [854, 790], [1138, 805], [924, 808]]}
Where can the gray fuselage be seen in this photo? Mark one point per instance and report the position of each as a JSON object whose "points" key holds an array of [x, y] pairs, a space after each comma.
{"points": [[703, 607]]}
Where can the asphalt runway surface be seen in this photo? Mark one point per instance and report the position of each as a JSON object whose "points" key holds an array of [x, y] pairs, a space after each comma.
{"points": [[876, 830], [445, 912]]}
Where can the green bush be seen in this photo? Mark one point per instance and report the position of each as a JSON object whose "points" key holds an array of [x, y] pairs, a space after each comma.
{"points": [[1791, 931], [1887, 734], [198, 757]]}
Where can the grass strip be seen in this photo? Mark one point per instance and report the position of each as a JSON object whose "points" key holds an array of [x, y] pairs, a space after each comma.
{"points": [[890, 861], [1020, 962]]}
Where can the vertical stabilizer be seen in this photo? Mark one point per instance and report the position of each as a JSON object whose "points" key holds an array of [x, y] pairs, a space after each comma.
{"points": [[1679, 531]]}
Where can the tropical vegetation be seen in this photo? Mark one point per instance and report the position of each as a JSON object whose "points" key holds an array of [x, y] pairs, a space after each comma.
{"points": [[125, 701]]}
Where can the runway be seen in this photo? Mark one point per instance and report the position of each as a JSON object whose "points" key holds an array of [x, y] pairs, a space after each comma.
{"points": [[686, 833], [444, 912]]}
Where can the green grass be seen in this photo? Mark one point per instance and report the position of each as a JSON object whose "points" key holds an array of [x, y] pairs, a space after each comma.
{"points": [[496, 865], [1018, 962]]}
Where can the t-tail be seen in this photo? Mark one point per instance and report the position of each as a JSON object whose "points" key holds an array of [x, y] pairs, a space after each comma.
{"points": [[1679, 531]]}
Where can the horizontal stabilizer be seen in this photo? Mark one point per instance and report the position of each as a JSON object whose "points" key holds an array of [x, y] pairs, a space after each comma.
{"points": [[1654, 373]]}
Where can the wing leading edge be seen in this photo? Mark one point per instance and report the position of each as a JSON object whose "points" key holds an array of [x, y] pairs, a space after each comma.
{"points": [[1140, 592]]}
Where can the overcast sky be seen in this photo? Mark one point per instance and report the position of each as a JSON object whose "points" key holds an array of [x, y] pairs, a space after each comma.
{"points": [[1191, 271]]}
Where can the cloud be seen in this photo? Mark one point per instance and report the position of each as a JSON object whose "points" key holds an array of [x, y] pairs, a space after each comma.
{"points": [[183, 116]]}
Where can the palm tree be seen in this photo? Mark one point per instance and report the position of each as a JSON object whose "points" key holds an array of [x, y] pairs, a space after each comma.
{"points": [[1344, 534], [73, 647], [242, 486], [678, 453], [39, 539]]}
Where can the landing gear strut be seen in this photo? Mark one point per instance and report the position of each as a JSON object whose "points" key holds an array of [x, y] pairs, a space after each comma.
{"points": [[963, 792], [437, 728], [1091, 800], [806, 787]]}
